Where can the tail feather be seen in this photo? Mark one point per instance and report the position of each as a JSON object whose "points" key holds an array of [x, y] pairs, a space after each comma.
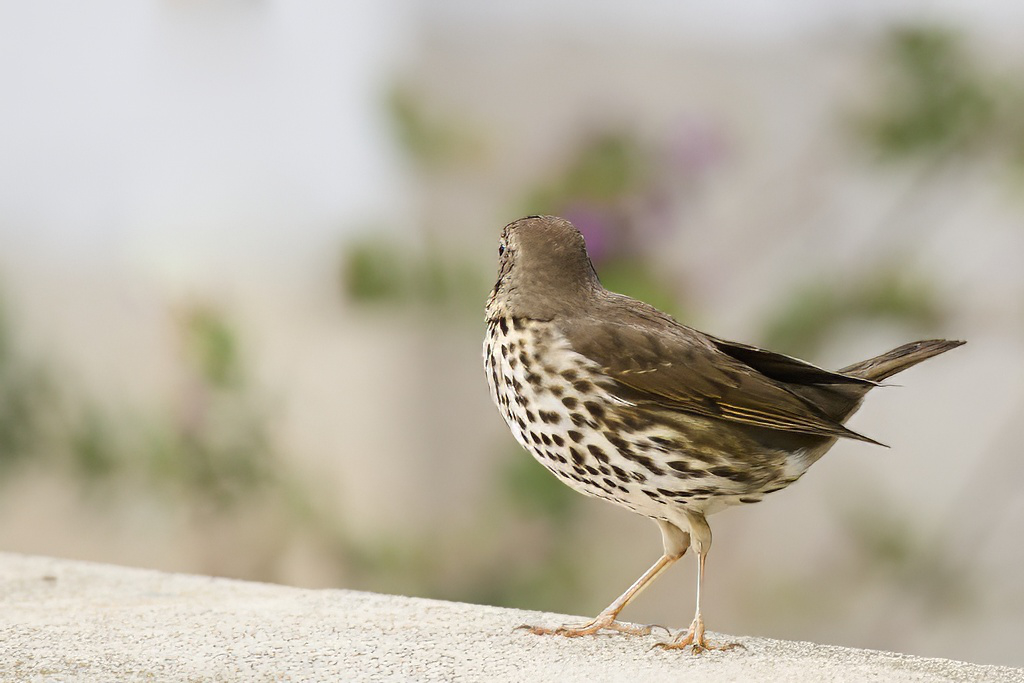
{"points": [[899, 359]]}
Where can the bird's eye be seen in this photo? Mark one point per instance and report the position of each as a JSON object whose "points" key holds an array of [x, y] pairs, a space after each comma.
{"points": [[501, 249]]}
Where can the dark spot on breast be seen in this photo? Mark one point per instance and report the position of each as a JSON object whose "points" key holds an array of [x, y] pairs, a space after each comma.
{"points": [[644, 462], [534, 379], [570, 402], [556, 390], [595, 409], [649, 465], [569, 375], [732, 474], [550, 417], [503, 324], [651, 494], [597, 452], [577, 457], [750, 500], [681, 466], [559, 441], [575, 436], [583, 386], [631, 423], [616, 440], [582, 421], [546, 439], [660, 445], [620, 473]]}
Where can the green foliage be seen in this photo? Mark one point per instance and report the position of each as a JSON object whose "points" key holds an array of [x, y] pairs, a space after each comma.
{"points": [[532, 490], [95, 453], [213, 444], [634, 277], [936, 98], [604, 167], [606, 176], [374, 271], [24, 393], [377, 271], [429, 140], [218, 461], [212, 347], [888, 292]]}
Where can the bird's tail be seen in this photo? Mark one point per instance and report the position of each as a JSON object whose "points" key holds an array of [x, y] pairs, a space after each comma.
{"points": [[899, 359]]}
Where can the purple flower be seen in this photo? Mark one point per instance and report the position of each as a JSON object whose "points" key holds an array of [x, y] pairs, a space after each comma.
{"points": [[696, 145], [596, 224]]}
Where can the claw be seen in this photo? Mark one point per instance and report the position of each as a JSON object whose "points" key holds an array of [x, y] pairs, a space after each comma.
{"points": [[697, 646], [694, 639], [651, 627]]}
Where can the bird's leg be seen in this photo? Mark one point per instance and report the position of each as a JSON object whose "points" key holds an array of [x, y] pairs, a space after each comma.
{"points": [[675, 542], [694, 636], [606, 619]]}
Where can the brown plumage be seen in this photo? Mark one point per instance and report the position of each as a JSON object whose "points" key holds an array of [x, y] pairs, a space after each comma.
{"points": [[622, 402]]}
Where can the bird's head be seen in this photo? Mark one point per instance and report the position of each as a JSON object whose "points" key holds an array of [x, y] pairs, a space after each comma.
{"points": [[543, 270]]}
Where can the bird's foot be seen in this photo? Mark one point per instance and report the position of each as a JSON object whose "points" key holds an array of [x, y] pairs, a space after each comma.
{"points": [[602, 622], [694, 638]]}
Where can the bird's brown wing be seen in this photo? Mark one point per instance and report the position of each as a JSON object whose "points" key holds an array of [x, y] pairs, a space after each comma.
{"points": [[653, 360]]}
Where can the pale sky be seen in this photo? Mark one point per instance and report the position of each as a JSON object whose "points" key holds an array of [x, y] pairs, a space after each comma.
{"points": [[163, 128]]}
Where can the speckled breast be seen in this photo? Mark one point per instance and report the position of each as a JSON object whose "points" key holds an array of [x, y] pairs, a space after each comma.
{"points": [[557, 405]]}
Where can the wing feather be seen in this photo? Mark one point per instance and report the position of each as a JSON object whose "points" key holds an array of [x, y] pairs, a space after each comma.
{"points": [[653, 360]]}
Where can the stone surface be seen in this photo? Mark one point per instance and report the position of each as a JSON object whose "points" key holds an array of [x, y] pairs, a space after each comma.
{"points": [[64, 620]]}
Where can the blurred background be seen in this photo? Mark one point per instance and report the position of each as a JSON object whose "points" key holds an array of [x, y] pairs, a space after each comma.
{"points": [[245, 245]]}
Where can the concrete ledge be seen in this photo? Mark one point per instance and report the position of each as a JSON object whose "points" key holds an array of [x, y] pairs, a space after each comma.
{"points": [[65, 620]]}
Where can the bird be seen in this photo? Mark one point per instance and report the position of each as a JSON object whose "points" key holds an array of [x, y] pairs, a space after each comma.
{"points": [[622, 402]]}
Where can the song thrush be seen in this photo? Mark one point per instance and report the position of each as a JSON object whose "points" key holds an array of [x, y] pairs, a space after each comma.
{"points": [[621, 402]]}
